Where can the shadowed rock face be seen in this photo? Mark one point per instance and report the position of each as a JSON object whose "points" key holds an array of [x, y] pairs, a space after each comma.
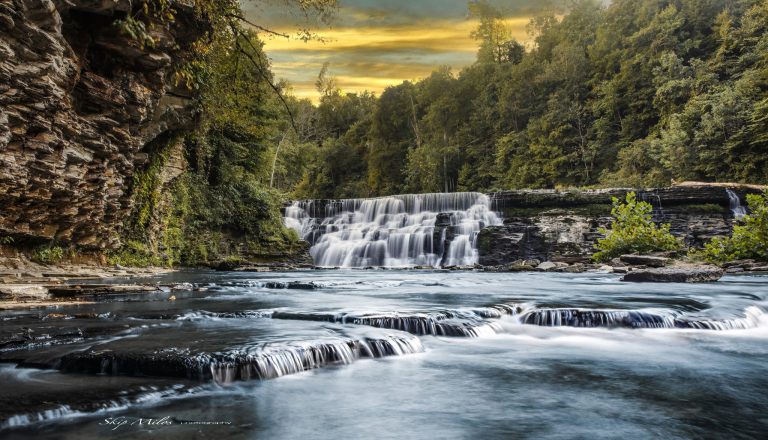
{"points": [[80, 107]]}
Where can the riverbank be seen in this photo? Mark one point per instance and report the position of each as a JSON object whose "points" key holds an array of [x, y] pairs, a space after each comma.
{"points": [[25, 283]]}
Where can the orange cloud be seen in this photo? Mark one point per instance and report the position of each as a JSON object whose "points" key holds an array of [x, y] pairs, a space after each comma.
{"points": [[372, 57]]}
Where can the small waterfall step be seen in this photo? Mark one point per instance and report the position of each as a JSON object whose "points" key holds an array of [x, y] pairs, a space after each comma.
{"points": [[266, 362], [636, 319], [737, 208], [202, 346], [436, 324], [437, 229]]}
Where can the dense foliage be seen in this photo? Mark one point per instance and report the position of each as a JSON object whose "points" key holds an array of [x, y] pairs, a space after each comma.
{"points": [[222, 205], [750, 237], [633, 231], [638, 92]]}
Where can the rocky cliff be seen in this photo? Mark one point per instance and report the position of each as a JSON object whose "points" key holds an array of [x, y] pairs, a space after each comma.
{"points": [[82, 107], [563, 225]]}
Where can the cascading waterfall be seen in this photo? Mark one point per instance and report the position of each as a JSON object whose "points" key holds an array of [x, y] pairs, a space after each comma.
{"points": [[438, 229], [737, 208]]}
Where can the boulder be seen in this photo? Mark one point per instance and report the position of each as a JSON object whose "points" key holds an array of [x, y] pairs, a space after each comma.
{"points": [[575, 268], [679, 274], [644, 260], [546, 266]]}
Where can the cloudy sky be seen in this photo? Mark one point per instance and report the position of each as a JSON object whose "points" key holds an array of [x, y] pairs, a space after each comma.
{"points": [[371, 44]]}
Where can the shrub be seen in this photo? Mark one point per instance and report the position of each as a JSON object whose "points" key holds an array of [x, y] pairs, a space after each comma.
{"points": [[749, 239], [633, 230], [47, 254]]}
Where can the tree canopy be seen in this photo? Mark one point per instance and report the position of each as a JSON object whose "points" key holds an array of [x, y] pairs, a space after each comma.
{"points": [[635, 93]]}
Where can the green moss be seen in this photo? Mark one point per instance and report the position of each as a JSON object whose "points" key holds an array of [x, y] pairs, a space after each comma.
{"points": [[146, 185], [134, 253]]}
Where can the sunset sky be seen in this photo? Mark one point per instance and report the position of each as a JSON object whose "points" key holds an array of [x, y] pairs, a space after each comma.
{"points": [[371, 44]]}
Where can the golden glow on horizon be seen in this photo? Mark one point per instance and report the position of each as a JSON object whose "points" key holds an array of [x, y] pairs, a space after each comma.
{"points": [[375, 57]]}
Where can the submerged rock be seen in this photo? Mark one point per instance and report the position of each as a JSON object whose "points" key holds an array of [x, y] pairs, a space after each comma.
{"points": [[678, 274], [100, 289]]}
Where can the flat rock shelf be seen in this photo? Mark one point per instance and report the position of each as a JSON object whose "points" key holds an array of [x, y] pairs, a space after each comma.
{"points": [[681, 274]]}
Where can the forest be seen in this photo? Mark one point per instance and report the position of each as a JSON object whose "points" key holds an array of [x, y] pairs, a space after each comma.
{"points": [[633, 93]]}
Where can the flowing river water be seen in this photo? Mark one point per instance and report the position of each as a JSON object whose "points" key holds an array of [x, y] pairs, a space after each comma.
{"points": [[393, 354]]}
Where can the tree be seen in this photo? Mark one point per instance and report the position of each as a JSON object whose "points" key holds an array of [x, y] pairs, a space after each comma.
{"points": [[325, 84], [493, 34]]}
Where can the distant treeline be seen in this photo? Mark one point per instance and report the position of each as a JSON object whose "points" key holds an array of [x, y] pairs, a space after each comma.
{"points": [[639, 92]]}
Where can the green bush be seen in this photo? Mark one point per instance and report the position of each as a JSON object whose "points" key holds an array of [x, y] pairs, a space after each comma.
{"points": [[47, 254], [749, 239], [633, 230]]}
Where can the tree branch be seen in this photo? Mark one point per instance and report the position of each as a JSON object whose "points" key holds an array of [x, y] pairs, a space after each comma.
{"points": [[259, 27], [238, 33]]}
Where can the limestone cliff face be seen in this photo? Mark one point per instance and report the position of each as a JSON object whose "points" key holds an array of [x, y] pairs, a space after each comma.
{"points": [[564, 225], [80, 106]]}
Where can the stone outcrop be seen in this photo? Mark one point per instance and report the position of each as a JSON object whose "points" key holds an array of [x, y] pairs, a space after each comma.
{"points": [[662, 197], [644, 260], [563, 226], [80, 108], [677, 274]]}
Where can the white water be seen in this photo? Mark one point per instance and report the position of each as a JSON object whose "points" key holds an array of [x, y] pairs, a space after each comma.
{"points": [[435, 230], [737, 208]]}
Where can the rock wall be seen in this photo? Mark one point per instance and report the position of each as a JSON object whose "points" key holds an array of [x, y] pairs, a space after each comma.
{"points": [[79, 103], [563, 225]]}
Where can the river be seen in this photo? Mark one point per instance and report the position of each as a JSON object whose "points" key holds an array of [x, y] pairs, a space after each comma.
{"points": [[478, 355]]}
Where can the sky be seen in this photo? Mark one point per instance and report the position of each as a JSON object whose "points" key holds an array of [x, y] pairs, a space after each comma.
{"points": [[372, 44]]}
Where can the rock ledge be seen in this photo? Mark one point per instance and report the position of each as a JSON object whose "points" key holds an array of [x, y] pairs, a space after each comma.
{"points": [[679, 274]]}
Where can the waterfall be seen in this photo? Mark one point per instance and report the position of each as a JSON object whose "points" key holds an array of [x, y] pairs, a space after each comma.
{"points": [[438, 229], [738, 210]]}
